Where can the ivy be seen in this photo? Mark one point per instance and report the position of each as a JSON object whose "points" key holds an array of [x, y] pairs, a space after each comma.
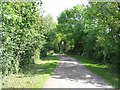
{"points": [[23, 35]]}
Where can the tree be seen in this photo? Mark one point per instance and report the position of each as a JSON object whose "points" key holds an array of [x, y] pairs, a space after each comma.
{"points": [[22, 34], [49, 33], [71, 26], [103, 23], [92, 30]]}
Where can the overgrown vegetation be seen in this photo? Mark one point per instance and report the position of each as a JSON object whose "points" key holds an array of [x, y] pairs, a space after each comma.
{"points": [[92, 31], [34, 76], [27, 35], [22, 34]]}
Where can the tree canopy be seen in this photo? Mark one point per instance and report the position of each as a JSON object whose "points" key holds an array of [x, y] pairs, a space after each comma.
{"points": [[92, 31]]}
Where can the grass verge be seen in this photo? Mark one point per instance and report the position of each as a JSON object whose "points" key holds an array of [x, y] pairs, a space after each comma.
{"points": [[102, 70], [34, 76]]}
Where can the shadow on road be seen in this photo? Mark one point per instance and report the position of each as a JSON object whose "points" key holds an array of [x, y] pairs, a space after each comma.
{"points": [[71, 70]]}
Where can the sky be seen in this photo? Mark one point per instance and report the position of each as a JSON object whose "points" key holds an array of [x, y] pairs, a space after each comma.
{"points": [[55, 7]]}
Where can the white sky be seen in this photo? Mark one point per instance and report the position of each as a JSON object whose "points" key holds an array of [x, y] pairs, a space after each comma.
{"points": [[55, 7]]}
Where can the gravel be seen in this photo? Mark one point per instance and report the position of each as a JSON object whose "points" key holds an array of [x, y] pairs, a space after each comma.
{"points": [[71, 74]]}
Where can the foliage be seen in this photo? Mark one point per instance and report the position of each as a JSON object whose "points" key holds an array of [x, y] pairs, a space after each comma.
{"points": [[92, 30], [22, 34], [105, 30], [50, 30], [71, 27]]}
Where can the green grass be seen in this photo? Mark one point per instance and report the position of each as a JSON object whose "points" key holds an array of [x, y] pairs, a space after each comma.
{"points": [[34, 76], [101, 70]]}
